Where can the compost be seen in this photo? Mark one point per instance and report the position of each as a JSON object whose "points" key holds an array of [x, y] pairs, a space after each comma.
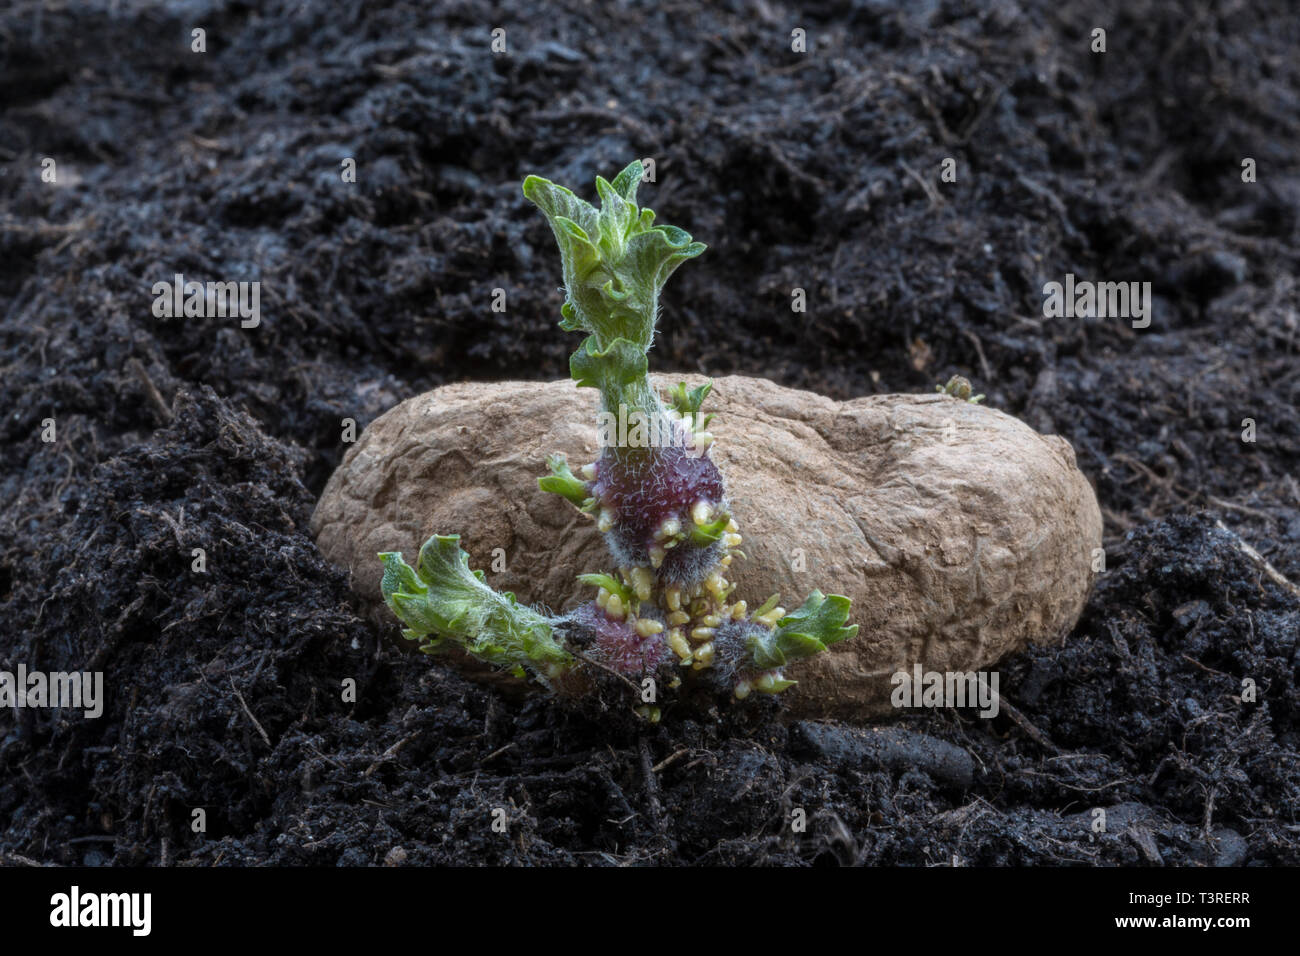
{"points": [[1174, 704]]}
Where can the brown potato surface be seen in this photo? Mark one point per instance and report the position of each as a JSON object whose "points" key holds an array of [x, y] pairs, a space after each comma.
{"points": [[959, 532]]}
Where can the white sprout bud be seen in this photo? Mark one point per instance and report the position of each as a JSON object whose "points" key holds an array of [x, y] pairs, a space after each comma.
{"points": [[702, 513]]}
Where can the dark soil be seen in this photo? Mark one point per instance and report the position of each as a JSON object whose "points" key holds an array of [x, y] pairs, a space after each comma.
{"points": [[817, 171]]}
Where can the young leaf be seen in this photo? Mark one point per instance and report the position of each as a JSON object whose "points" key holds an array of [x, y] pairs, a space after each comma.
{"points": [[822, 618], [771, 684], [705, 534], [562, 481], [688, 403], [615, 370], [627, 181], [815, 626], [442, 601], [610, 584], [615, 263]]}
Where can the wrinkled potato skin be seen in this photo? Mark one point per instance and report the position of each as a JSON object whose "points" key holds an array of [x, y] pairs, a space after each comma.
{"points": [[959, 532]]}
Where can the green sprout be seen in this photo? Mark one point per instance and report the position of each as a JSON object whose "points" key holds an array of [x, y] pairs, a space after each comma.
{"points": [[959, 387], [669, 613]]}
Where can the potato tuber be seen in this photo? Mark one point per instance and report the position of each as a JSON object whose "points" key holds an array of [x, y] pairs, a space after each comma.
{"points": [[959, 533]]}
